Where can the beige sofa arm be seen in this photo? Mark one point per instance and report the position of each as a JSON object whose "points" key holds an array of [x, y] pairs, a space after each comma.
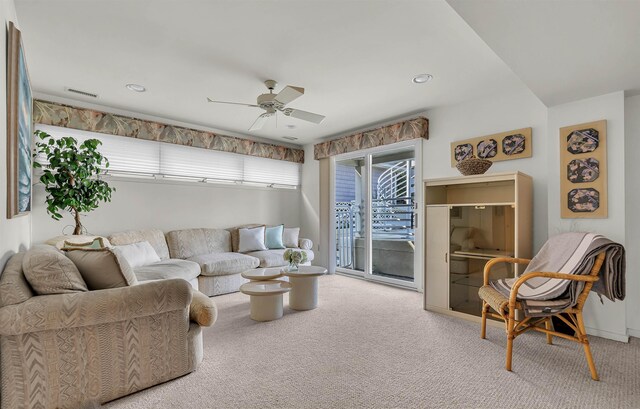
{"points": [[203, 310], [305, 244], [52, 312]]}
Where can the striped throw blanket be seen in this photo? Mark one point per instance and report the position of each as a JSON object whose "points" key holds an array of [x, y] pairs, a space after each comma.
{"points": [[568, 253]]}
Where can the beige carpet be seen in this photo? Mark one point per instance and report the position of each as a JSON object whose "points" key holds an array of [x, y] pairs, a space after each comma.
{"points": [[372, 346]]}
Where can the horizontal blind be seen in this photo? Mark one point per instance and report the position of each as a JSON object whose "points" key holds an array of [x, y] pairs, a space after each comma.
{"points": [[124, 154], [178, 160], [270, 171], [141, 157]]}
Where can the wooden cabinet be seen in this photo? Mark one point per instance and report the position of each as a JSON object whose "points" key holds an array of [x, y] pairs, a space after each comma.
{"points": [[470, 220]]}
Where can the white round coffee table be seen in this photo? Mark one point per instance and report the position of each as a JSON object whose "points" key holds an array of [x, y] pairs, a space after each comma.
{"points": [[304, 291], [262, 274], [265, 298]]}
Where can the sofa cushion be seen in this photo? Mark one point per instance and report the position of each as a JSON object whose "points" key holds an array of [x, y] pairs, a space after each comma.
{"points": [[235, 235], [50, 272], [103, 268], [170, 268], [290, 237], [218, 264], [14, 287], [193, 242], [155, 237], [251, 239], [273, 237], [275, 258], [139, 254]]}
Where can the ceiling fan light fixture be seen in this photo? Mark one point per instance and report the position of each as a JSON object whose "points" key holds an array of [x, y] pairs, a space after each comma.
{"points": [[135, 87], [422, 78]]}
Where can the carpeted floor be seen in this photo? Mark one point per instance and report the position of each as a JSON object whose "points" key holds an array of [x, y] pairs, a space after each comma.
{"points": [[373, 346]]}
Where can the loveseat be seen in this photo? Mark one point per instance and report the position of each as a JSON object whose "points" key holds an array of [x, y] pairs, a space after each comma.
{"points": [[73, 349], [207, 258]]}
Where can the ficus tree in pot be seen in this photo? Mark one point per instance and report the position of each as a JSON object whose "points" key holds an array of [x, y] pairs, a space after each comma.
{"points": [[71, 176]]}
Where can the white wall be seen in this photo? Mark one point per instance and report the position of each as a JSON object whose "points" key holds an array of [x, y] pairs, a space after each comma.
{"points": [[608, 320], [310, 199], [632, 199], [487, 116], [179, 205], [15, 234]]}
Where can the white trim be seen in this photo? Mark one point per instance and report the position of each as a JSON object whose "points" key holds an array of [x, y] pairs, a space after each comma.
{"points": [[366, 154], [634, 332], [607, 334]]}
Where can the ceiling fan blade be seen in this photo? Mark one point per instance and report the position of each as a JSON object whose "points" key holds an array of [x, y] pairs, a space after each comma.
{"points": [[259, 123], [232, 103], [288, 94], [304, 115]]}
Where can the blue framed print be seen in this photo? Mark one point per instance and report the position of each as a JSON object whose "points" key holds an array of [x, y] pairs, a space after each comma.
{"points": [[19, 127]]}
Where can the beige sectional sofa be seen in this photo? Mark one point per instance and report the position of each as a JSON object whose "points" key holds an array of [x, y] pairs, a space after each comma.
{"points": [[74, 349], [207, 258]]}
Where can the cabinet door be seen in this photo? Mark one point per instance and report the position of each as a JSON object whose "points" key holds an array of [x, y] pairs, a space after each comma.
{"points": [[436, 286]]}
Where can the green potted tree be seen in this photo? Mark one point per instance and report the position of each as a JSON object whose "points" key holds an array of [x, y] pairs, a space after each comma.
{"points": [[71, 176]]}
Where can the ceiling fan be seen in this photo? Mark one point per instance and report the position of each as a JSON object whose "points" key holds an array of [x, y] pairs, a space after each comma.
{"points": [[272, 103]]}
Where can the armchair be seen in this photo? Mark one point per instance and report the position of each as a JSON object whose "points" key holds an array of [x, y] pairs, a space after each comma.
{"points": [[505, 308]]}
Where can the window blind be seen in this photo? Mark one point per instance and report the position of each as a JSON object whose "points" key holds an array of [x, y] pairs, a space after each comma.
{"points": [[138, 157]]}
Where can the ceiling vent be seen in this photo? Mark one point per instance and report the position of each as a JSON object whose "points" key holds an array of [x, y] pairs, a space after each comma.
{"points": [[83, 93], [290, 138]]}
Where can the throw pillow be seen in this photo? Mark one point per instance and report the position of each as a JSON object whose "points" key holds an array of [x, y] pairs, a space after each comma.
{"points": [[290, 237], [50, 272], [139, 254], [103, 268], [273, 237], [251, 240]]}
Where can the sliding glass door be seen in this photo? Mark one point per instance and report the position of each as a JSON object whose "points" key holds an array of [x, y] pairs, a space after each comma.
{"points": [[375, 215]]}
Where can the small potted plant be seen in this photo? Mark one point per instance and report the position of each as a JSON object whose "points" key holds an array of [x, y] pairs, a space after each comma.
{"points": [[295, 258], [71, 176]]}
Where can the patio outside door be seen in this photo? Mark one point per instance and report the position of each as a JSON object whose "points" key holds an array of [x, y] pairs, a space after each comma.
{"points": [[376, 234]]}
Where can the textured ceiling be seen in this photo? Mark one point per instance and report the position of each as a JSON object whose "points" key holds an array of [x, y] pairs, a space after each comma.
{"points": [[355, 59], [562, 50]]}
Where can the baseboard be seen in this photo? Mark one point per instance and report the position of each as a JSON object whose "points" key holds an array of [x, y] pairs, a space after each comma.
{"points": [[634, 332], [607, 334]]}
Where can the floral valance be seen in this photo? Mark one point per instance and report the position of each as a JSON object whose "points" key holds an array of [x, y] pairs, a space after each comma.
{"points": [[385, 135], [51, 113]]}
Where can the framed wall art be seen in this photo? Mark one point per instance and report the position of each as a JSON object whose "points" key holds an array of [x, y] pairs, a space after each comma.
{"points": [[583, 171], [19, 127], [497, 147]]}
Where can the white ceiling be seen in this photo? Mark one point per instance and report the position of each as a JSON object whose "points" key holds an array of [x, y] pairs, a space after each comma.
{"points": [[355, 59], [562, 50]]}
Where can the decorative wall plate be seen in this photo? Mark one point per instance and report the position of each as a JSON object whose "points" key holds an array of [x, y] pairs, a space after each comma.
{"points": [[583, 170], [463, 151], [487, 149], [583, 141], [514, 144], [583, 200]]}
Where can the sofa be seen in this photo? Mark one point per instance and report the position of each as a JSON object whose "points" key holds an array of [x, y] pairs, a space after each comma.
{"points": [[78, 349], [207, 258]]}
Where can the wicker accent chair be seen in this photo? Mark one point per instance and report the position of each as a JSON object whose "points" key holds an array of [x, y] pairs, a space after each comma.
{"points": [[505, 309]]}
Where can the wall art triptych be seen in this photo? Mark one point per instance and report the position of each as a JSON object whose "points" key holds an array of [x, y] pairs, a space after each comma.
{"points": [[583, 171], [497, 147]]}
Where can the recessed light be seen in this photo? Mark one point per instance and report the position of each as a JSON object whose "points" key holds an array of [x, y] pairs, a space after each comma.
{"points": [[422, 78], [136, 87]]}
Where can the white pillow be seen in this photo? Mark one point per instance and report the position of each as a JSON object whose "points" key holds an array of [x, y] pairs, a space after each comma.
{"points": [[251, 240], [290, 237], [138, 254]]}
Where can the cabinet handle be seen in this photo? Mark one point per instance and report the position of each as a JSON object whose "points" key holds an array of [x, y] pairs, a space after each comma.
{"points": [[446, 259]]}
